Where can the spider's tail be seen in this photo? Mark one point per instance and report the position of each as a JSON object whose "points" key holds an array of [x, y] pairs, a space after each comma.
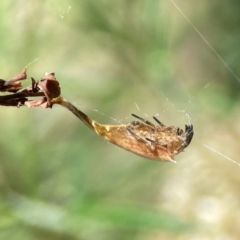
{"points": [[95, 126]]}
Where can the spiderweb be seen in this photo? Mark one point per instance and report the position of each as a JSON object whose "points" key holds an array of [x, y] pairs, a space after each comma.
{"points": [[208, 150], [184, 98], [110, 65], [224, 64]]}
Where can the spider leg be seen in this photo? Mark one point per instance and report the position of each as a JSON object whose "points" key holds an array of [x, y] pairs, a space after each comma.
{"points": [[188, 134], [156, 143], [144, 120], [181, 147], [145, 141], [179, 131], [159, 122]]}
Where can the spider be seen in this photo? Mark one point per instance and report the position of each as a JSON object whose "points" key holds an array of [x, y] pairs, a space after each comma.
{"points": [[157, 142], [163, 142]]}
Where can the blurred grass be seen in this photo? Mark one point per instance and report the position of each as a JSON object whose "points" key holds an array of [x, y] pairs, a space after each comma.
{"points": [[58, 180]]}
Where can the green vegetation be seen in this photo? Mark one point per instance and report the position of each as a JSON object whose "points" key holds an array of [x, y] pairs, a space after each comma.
{"points": [[58, 180]]}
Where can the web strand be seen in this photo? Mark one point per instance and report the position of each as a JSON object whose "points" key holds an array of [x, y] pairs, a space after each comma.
{"points": [[36, 59], [114, 119], [206, 42], [226, 157]]}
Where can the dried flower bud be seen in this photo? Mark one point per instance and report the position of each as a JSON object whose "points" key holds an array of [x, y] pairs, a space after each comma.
{"points": [[21, 76], [14, 84], [41, 102], [50, 87]]}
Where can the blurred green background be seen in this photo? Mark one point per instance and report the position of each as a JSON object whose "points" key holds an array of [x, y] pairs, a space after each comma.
{"points": [[58, 180]]}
